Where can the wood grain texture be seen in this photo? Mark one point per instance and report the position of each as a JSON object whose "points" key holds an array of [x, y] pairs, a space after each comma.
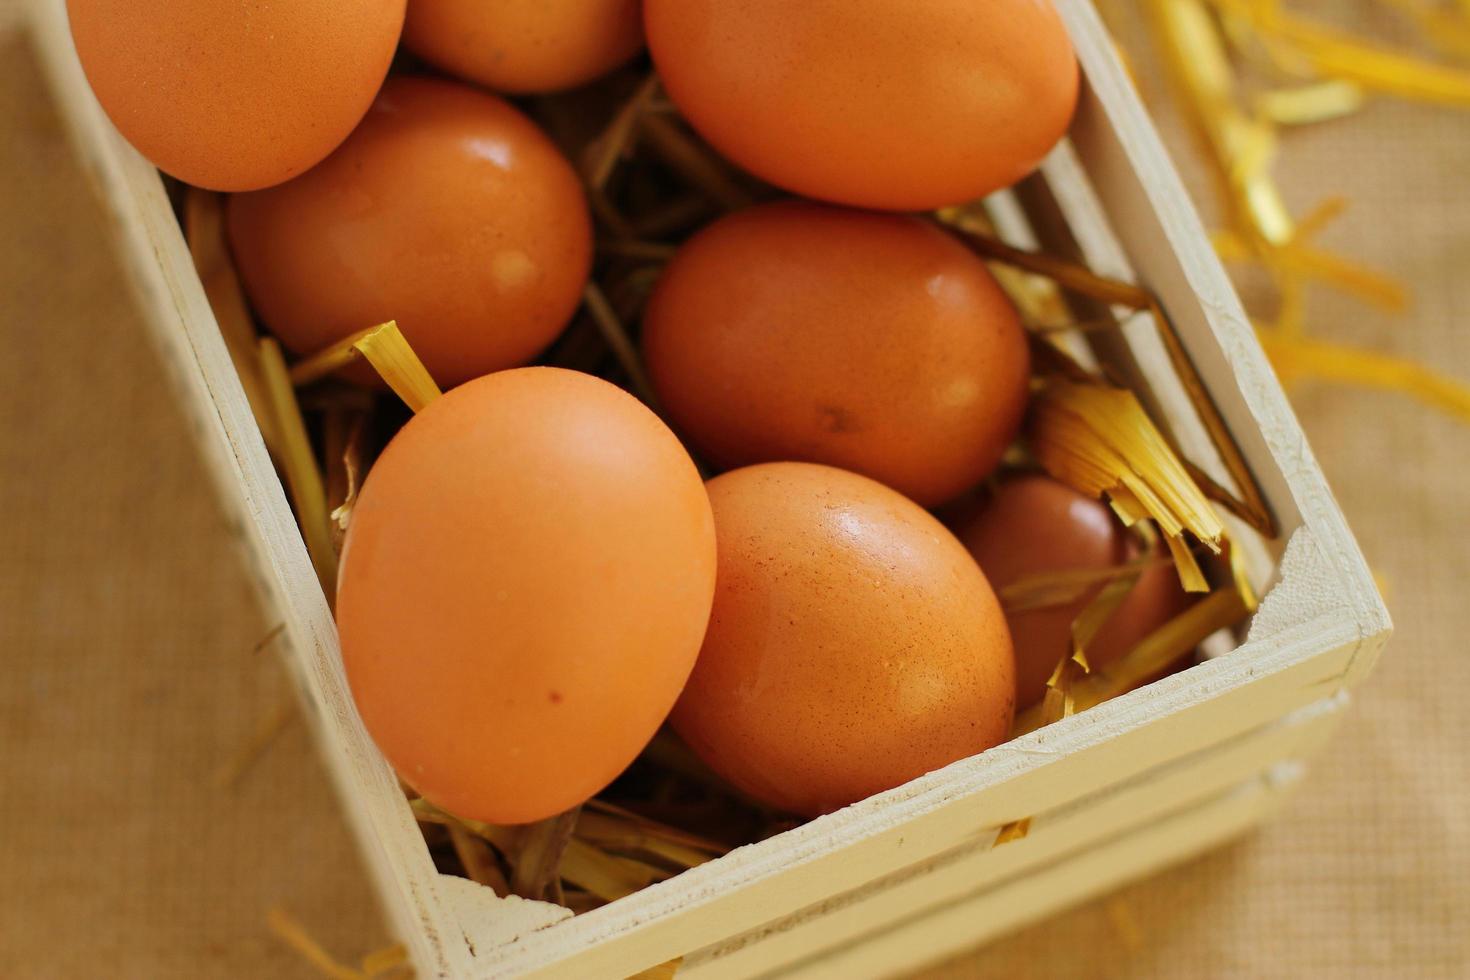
{"points": [[992, 912]]}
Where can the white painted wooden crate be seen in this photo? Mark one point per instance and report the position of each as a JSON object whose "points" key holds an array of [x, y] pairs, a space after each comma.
{"points": [[909, 875]]}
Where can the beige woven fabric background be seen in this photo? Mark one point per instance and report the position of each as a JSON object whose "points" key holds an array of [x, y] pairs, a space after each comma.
{"points": [[130, 681]]}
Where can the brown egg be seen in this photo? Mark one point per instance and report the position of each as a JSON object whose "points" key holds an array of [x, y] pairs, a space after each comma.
{"points": [[877, 343], [892, 104], [525, 45], [854, 645], [447, 210], [524, 587], [1034, 525], [235, 96]]}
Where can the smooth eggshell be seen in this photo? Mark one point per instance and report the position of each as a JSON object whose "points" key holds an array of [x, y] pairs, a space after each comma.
{"points": [[447, 210], [235, 96], [525, 45], [854, 644], [524, 587], [886, 104], [1034, 525], [872, 342]]}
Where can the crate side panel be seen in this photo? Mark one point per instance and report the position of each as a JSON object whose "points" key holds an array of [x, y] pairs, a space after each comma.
{"points": [[1079, 827], [940, 933]]}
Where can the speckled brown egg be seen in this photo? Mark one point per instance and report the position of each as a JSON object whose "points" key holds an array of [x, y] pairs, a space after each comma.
{"points": [[1034, 525], [447, 210], [524, 587], [854, 643], [525, 45], [235, 96], [872, 342]]}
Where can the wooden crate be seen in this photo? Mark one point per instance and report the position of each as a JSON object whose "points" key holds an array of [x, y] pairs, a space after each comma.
{"points": [[908, 875]]}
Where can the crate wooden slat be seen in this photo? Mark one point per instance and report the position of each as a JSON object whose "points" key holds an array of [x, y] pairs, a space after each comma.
{"points": [[1146, 778], [972, 919], [1060, 835]]}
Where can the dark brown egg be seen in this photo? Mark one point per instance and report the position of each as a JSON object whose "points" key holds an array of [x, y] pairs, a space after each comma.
{"points": [[1034, 525]]}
